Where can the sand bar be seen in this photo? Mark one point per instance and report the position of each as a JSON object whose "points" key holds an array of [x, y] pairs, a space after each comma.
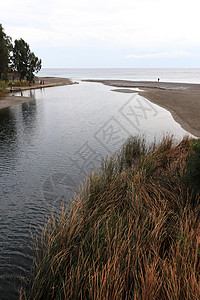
{"points": [[9, 100], [181, 99]]}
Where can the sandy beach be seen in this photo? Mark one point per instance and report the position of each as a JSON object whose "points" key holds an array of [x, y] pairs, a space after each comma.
{"points": [[181, 99], [10, 100]]}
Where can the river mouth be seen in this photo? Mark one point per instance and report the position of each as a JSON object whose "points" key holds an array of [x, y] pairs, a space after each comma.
{"points": [[48, 145]]}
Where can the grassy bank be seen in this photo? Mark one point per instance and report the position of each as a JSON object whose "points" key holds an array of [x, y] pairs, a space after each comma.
{"points": [[133, 232], [3, 88]]}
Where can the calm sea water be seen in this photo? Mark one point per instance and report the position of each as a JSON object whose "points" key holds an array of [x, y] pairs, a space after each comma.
{"points": [[46, 147], [169, 75]]}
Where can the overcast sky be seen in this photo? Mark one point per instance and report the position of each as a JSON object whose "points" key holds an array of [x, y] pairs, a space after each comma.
{"points": [[107, 33]]}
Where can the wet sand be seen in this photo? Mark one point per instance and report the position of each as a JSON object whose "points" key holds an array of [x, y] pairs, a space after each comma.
{"points": [[10, 100], [181, 99], [124, 91]]}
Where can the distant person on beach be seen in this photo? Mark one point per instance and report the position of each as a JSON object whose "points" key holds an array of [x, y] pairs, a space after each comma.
{"points": [[158, 79], [43, 82]]}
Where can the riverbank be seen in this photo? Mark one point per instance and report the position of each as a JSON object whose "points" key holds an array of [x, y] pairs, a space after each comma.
{"points": [[13, 100], [10, 100], [132, 232], [44, 82], [181, 99]]}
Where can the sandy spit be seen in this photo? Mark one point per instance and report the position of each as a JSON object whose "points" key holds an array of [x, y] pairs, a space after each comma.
{"points": [[181, 99]]}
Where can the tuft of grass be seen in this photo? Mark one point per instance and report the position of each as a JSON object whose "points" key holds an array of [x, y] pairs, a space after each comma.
{"points": [[133, 232]]}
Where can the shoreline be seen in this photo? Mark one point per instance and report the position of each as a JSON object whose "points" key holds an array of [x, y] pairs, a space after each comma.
{"points": [[48, 82], [169, 95], [11, 100]]}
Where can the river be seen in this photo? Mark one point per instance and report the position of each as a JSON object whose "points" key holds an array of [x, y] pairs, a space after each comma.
{"points": [[47, 146]]}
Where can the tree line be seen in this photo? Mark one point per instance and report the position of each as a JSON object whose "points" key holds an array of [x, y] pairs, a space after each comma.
{"points": [[17, 57]]}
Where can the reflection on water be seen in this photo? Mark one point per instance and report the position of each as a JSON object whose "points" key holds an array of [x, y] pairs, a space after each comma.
{"points": [[46, 147]]}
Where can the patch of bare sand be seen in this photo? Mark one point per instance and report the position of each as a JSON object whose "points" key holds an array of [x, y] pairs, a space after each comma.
{"points": [[53, 80], [124, 91]]}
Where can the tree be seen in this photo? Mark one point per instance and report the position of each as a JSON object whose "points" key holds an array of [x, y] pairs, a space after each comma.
{"points": [[5, 54], [34, 66], [25, 61], [20, 57]]}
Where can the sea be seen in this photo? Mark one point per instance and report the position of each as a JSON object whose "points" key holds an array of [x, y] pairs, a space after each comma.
{"points": [[48, 145], [185, 75]]}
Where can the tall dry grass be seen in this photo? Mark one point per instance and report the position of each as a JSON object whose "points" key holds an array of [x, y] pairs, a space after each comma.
{"points": [[133, 232]]}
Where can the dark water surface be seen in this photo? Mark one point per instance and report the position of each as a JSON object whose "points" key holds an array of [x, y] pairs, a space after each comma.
{"points": [[47, 145]]}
